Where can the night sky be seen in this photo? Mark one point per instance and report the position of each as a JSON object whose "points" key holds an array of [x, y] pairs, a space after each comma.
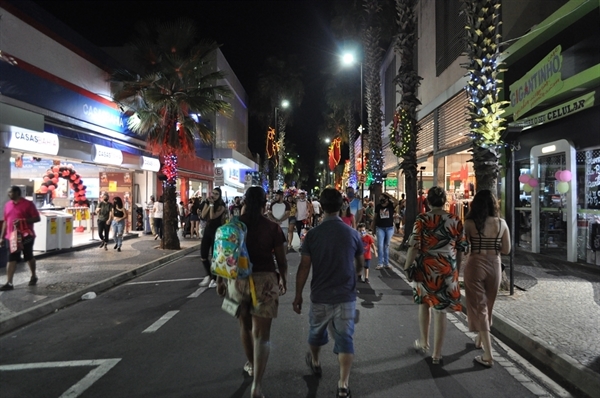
{"points": [[249, 31]]}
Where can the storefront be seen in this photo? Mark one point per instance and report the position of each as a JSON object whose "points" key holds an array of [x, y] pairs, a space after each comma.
{"points": [[60, 173], [553, 78]]}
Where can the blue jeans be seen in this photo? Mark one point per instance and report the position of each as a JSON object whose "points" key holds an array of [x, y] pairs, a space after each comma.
{"points": [[384, 235], [118, 228], [340, 320]]}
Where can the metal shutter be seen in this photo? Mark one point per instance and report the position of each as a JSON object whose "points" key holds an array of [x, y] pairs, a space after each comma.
{"points": [[452, 122], [425, 135]]}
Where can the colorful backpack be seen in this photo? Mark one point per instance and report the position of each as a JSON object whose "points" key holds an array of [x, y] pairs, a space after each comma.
{"points": [[230, 256]]}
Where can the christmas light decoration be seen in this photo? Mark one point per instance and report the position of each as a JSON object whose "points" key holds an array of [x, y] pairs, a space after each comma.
{"points": [[401, 133], [170, 170]]}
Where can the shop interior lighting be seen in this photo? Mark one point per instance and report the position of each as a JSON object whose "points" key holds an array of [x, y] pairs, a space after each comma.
{"points": [[549, 149]]}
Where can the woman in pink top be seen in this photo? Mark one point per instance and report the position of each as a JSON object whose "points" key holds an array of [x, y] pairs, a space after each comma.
{"points": [[346, 215], [18, 208]]}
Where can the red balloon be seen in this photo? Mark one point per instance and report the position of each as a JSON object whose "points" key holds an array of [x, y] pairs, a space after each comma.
{"points": [[72, 177], [55, 180], [55, 169], [43, 189], [46, 178], [51, 187], [80, 186]]}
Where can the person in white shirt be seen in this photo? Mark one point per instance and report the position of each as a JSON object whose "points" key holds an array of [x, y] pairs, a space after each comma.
{"points": [[316, 211], [304, 210], [157, 213], [280, 213]]}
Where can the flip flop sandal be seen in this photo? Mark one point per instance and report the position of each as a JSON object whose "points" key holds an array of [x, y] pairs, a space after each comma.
{"points": [[248, 369], [345, 391], [479, 359]]}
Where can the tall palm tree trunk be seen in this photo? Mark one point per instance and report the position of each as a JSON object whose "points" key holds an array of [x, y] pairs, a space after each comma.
{"points": [[373, 58], [408, 81], [170, 240]]}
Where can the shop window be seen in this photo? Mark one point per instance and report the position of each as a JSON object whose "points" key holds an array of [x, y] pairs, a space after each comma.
{"points": [[588, 206]]}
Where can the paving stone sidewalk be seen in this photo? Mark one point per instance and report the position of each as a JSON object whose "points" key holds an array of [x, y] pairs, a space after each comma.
{"points": [[64, 276], [553, 318]]}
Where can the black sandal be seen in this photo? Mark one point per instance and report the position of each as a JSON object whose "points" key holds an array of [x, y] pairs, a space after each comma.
{"points": [[345, 391]]}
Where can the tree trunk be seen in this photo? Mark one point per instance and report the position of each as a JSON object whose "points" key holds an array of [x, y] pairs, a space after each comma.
{"points": [[486, 165]]}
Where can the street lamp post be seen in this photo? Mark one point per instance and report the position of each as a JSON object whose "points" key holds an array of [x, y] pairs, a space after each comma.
{"points": [[348, 59], [284, 105]]}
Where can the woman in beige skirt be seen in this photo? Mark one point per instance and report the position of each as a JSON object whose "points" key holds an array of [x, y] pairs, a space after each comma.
{"points": [[488, 237]]}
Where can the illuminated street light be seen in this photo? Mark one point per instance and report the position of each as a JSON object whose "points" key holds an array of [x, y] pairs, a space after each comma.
{"points": [[327, 140], [349, 59]]}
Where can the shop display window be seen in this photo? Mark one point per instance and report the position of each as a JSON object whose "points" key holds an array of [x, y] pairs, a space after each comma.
{"points": [[588, 206], [553, 203], [523, 216], [460, 176]]}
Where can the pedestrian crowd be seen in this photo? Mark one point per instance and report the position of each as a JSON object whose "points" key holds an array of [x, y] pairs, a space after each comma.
{"points": [[362, 231]]}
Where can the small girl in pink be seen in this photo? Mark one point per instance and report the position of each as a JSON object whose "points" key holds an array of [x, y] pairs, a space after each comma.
{"points": [[346, 215]]}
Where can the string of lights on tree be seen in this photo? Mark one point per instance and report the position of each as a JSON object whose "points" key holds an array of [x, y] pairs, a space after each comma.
{"points": [[401, 133], [170, 170], [483, 87]]}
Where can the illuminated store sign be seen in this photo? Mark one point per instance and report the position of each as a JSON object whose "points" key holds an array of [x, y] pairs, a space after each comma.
{"points": [[33, 141], [150, 164], [106, 155]]}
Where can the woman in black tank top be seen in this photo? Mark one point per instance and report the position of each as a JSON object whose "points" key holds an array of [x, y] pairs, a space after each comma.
{"points": [[119, 217], [488, 237]]}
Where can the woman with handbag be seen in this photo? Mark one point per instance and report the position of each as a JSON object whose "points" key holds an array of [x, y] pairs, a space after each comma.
{"points": [[435, 246], [19, 216], [488, 237], [264, 241]]}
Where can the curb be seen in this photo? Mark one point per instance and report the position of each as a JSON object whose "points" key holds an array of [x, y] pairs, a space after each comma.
{"points": [[561, 366], [39, 311], [88, 245]]}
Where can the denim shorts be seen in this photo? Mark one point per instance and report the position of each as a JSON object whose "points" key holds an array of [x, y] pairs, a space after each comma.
{"points": [[367, 263], [340, 320]]}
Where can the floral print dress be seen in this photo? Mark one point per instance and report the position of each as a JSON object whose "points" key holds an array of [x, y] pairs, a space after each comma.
{"points": [[437, 237]]}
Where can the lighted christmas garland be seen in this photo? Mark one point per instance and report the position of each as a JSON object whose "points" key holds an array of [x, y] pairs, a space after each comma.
{"points": [[400, 119]]}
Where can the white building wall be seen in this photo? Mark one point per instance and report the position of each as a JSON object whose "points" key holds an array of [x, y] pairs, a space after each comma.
{"points": [[23, 41]]}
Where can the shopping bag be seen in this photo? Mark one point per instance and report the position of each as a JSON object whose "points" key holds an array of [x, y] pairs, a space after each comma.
{"points": [[15, 241]]}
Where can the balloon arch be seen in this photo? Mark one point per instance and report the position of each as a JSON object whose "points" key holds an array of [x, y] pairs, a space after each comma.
{"points": [[68, 173]]}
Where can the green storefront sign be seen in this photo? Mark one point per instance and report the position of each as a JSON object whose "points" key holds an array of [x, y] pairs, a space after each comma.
{"points": [[542, 81], [557, 112], [391, 182]]}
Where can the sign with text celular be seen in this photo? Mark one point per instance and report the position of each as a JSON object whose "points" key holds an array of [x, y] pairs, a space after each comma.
{"points": [[219, 177]]}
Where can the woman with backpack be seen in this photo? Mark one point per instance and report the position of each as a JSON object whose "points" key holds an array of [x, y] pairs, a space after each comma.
{"points": [[263, 239], [213, 214]]}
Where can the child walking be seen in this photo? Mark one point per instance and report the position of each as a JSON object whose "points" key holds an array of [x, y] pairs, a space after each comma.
{"points": [[368, 246]]}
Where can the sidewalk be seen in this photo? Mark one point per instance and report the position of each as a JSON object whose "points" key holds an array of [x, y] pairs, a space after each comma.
{"points": [[553, 319], [65, 275]]}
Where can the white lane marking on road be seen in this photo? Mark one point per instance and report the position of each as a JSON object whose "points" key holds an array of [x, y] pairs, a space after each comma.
{"points": [[163, 319], [198, 292], [102, 366], [165, 281]]}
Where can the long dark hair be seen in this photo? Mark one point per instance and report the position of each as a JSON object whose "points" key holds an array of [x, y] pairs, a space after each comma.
{"points": [[256, 200], [484, 205], [219, 202], [118, 202]]}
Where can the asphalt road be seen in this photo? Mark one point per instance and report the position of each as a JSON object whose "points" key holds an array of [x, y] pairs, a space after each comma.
{"points": [[160, 335]]}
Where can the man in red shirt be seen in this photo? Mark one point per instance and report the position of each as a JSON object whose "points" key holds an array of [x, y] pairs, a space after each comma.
{"points": [[18, 208]]}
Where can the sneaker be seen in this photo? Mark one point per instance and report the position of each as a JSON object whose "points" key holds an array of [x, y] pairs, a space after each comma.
{"points": [[379, 267], [33, 281], [388, 267], [205, 282], [248, 369], [366, 280], [212, 284], [101, 245], [119, 248], [116, 246], [6, 287]]}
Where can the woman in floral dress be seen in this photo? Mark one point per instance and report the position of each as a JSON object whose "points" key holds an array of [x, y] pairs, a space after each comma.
{"points": [[436, 244]]}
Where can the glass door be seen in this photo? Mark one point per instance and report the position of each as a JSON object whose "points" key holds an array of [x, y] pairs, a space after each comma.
{"points": [[552, 207]]}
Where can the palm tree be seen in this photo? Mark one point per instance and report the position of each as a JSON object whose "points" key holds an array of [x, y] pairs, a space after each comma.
{"points": [[407, 81], [280, 80], [485, 108], [373, 56], [169, 100], [340, 96]]}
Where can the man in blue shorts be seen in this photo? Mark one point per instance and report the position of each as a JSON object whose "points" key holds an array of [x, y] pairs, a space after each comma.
{"points": [[335, 266]]}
